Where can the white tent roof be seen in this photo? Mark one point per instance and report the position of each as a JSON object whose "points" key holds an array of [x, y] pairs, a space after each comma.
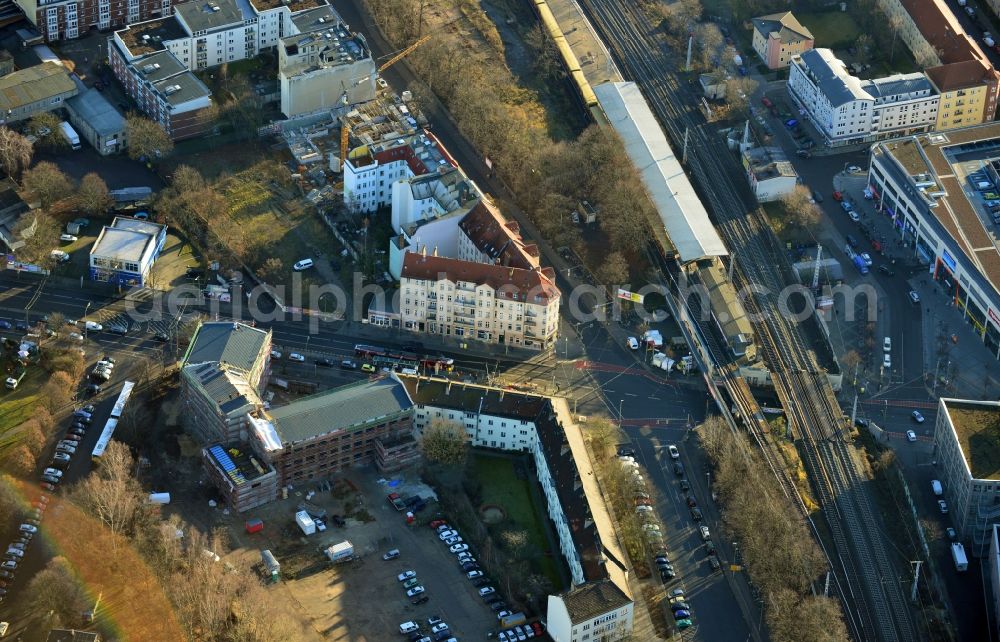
{"points": [[684, 217]]}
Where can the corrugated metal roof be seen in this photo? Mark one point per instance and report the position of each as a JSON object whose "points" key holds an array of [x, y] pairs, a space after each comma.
{"points": [[829, 74], [684, 218], [339, 409], [34, 84], [235, 344]]}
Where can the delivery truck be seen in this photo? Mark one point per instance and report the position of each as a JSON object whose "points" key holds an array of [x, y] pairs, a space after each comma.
{"points": [[305, 522], [958, 555], [69, 134], [340, 552]]}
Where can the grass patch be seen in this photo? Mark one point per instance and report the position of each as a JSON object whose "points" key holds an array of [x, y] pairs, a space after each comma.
{"points": [[501, 486], [832, 29], [16, 406]]}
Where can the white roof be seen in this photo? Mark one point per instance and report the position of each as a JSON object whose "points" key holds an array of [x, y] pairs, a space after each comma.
{"points": [[124, 245], [684, 217]]}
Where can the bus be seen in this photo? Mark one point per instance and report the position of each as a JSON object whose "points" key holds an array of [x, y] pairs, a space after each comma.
{"points": [[109, 427]]}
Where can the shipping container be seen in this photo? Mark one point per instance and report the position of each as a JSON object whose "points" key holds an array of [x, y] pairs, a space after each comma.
{"points": [[254, 525]]}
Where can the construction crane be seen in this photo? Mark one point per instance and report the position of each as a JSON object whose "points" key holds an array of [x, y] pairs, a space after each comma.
{"points": [[345, 131]]}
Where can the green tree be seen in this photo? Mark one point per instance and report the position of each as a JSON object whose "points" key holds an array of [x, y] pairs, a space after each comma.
{"points": [[445, 442]]}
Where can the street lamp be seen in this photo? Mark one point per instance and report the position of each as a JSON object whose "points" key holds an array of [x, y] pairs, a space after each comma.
{"points": [[620, 401], [85, 312]]}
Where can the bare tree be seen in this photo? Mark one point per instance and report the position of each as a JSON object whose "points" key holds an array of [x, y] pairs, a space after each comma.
{"points": [[93, 196], [445, 442], [36, 233], [48, 183], [895, 23], [614, 270], [147, 140], [711, 43], [45, 126], [799, 208], [864, 47], [112, 493], [57, 393], [15, 151], [55, 589]]}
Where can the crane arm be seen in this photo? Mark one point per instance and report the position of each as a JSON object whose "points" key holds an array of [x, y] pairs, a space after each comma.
{"points": [[403, 54]]}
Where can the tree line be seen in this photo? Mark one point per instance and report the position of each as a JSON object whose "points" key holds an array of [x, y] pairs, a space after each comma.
{"points": [[134, 562], [508, 124], [778, 551]]}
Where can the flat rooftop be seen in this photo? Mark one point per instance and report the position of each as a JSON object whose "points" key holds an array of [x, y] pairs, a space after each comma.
{"points": [[940, 157], [239, 465], [315, 19], [294, 6], [977, 425], [207, 15], [147, 37], [124, 245]]}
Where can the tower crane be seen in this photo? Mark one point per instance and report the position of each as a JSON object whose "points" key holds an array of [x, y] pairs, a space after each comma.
{"points": [[345, 130]]}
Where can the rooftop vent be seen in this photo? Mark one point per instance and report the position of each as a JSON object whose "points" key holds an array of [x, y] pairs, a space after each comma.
{"points": [[172, 89]]}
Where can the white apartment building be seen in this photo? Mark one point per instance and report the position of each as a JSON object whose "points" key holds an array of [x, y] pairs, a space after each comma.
{"points": [[371, 171], [485, 302], [430, 196], [965, 446], [324, 67], [590, 612], [847, 110], [595, 608]]}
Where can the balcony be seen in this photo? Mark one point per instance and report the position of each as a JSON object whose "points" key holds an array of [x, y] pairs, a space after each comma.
{"points": [[465, 302], [462, 321]]}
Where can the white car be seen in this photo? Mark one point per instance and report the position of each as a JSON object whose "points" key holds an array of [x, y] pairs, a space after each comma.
{"points": [[474, 574], [416, 590], [76, 336], [674, 453], [59, 255], [854, 216], [408, 627], [633, 343], [55, 472], [887, 344], [446, 535], [866, 257], [28, 528], [854, 169], [914, 297], [704, 532], [917, 417], [943, 506], [68, 238], [405, 575], [911, 436], [295, 356], [275, 354], [93, 325], [486, 590], [453, 540], [304, 264], [440, 626], [886, 361], [458, 548], [382, 83], [643, 509]]}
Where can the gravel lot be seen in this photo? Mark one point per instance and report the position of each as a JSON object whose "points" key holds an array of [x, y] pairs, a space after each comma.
{"points": [[362, 600]]}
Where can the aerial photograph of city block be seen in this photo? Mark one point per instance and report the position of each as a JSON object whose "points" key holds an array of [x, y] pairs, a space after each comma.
{"points": [[441, 320]]}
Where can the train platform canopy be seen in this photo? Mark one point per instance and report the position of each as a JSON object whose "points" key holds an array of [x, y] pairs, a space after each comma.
{"points": [[684, 218]]}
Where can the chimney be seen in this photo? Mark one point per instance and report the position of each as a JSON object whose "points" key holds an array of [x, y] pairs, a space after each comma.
{"points": [[423, 251], [447, 390], [435, 250]]}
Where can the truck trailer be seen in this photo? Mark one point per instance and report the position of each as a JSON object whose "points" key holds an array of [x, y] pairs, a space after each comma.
{"points": [[340, 552], [305, 522], [958, 555], [69, 134]]}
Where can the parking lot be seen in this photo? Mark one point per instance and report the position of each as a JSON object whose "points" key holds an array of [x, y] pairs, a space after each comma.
{"points": [[363, 599]]}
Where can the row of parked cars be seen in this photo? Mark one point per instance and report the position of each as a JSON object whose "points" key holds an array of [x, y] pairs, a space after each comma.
{"points": [[66, 447]]}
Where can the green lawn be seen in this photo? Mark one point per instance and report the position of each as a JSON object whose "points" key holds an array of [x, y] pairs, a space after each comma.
{"points": [[831, 29], [17, 405], [502, 488]]}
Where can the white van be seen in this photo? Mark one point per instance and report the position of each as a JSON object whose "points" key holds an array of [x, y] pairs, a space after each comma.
{"points": [[304, 264], [936, 487]]}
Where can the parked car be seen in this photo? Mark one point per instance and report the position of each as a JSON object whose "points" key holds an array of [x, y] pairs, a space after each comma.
{"points": [[391, 555], [917, 417], [674, 453], [458, 548], [324, 363], [405, 575], [347, 364]]}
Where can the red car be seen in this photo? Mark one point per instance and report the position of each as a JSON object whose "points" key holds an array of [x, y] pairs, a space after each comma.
{"points": [[837, 196], [437, 522], [766, 102], [876, 245]]}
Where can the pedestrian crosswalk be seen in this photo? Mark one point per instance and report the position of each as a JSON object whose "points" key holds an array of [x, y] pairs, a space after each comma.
{"points": [[114, 319]]}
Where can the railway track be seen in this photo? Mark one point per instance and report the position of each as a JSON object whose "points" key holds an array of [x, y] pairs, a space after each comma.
{"points": [[866, 581]]}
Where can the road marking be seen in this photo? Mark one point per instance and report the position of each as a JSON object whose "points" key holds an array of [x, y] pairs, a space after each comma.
{"points": [[631, 394]]}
